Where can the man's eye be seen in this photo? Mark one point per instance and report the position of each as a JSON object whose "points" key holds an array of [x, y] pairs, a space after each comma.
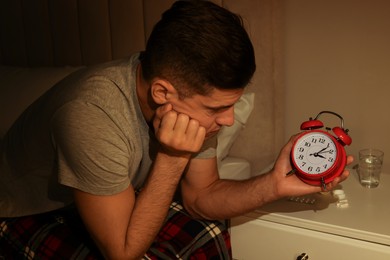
{"points": [[212, 111], [217, 110]]}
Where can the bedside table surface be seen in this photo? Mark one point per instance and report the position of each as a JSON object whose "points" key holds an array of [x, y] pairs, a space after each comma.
{"points": [[367, 216]]}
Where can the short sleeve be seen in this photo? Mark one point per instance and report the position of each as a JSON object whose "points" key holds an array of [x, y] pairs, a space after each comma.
{"points": [[92, 153]]}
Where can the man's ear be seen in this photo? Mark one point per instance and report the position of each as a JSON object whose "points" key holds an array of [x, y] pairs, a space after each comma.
{"points": [[162, 91]]}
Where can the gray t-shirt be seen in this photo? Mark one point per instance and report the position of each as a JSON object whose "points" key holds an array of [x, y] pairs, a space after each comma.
{"points": [[87, 132]]}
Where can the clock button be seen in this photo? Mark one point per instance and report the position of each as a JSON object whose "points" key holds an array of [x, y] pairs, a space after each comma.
{"points": [[312, 124], [342, 135]]}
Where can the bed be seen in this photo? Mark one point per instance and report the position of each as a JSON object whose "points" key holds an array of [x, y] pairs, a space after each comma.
{"points": [[42, 41]]}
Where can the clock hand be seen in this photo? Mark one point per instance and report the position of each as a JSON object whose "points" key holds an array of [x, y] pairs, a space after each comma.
{"points": [[323, 149], [317, 155]]}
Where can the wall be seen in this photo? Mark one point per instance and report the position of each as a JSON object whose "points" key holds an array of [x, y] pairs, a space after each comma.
{"points": [[337, 57], [262, 137]]}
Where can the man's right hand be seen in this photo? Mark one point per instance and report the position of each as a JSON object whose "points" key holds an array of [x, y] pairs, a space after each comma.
{"points": [[177, 133]]}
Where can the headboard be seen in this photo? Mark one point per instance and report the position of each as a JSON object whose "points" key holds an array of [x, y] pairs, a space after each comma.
{"points": [[58, 33], [74, 32]]}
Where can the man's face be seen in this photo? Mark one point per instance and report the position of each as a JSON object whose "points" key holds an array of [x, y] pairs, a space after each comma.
{"points": [[212, 111]]}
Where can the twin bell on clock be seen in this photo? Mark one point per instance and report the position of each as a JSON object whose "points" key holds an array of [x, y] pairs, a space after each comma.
{"points": [[318, 156]]}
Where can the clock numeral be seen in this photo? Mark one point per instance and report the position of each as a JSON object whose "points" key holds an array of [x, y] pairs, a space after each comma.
{"points": [[315, 154]]}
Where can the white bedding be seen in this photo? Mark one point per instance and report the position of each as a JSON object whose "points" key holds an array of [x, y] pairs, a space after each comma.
{"points": [[234, 169]]}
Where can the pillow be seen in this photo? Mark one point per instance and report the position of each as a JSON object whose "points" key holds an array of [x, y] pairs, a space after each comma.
{"points": [[234, 169], [21, 86], [228, 134]]}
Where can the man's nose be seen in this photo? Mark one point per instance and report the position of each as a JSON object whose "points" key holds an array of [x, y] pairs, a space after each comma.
{"points": [[226, 118]]}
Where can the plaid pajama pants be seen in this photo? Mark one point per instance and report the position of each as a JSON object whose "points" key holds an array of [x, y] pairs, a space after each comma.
{"points": [[61, 235]]}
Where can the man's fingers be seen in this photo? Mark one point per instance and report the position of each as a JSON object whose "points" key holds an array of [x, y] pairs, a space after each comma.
{"points": [[178, 132]]}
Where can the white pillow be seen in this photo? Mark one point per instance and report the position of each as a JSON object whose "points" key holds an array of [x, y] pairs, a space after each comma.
{"points": [[227, 135], [234, 169]]}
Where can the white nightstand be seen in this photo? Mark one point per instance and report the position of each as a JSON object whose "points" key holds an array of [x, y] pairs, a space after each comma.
{"points": [[285, 229]]}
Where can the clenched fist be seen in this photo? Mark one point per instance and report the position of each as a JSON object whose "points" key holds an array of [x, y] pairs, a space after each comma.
{"points": [[176, 132]]}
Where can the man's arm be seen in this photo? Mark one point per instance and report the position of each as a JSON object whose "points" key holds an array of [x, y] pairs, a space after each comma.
{"points": [[206, 196], [124, 226]]}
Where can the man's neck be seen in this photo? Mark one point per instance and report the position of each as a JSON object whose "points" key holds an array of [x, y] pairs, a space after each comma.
{"points": [[143, 95]]}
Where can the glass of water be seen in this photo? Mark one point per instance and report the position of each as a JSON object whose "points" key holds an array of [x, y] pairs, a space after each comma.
{"points": [[370, 167]]}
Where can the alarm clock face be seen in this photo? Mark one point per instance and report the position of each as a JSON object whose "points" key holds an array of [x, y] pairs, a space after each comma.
{"points": [[314, 153]]}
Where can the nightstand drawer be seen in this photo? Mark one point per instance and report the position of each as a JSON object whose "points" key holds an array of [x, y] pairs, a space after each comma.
{"points": [[263, 239]]}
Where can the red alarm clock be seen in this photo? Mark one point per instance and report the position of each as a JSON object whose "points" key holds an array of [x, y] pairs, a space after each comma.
{"points": [[317, 155]]}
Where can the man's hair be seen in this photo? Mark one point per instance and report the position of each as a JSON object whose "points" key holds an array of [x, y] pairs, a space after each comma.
{"points": [[198, 45]]}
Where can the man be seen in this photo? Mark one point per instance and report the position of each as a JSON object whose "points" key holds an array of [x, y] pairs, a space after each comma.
{"points": [[121, 139]]}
